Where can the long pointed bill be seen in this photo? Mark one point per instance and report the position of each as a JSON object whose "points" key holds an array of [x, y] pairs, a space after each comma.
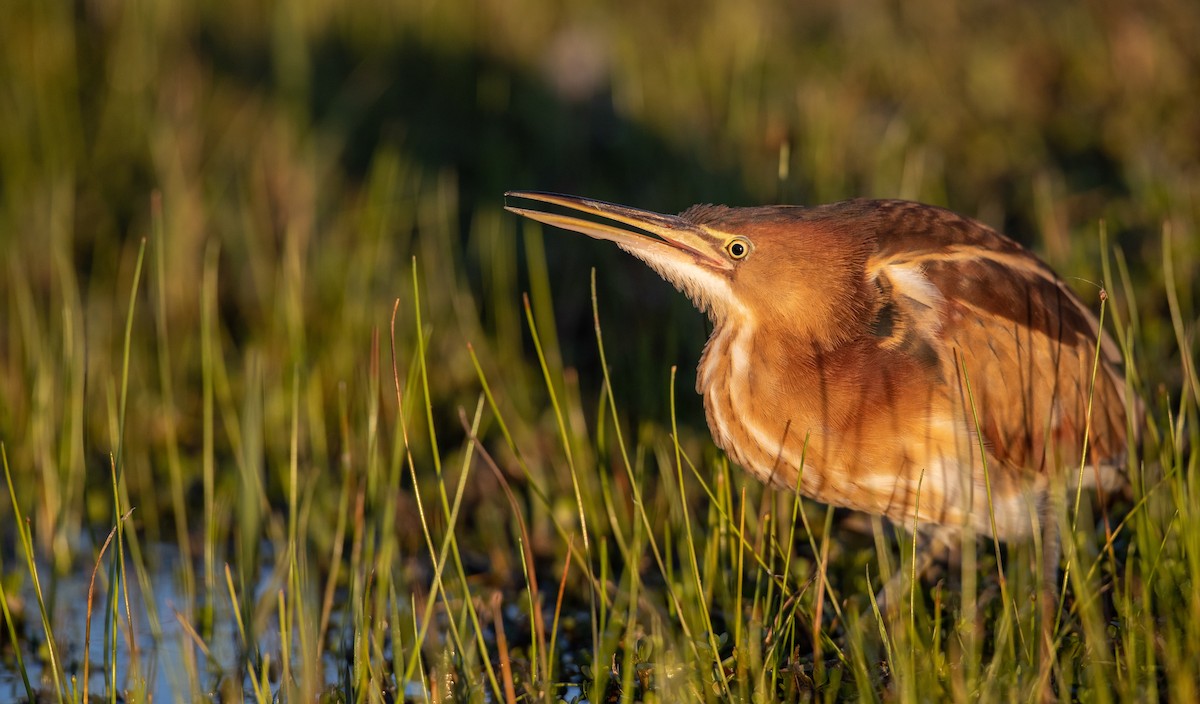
{"points": [[665, 242]]}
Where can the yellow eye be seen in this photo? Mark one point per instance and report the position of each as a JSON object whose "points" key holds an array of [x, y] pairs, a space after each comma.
{"points": [[737, 248]]}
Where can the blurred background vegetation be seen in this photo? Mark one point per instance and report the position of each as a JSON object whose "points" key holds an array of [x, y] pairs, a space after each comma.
{"points": [[298, 155]]}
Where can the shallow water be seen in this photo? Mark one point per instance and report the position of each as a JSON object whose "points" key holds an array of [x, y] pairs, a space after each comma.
{"points": [[163, 650], [160, 659]]}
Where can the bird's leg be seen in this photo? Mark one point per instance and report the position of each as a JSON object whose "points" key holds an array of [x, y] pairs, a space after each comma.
{"points": [[1051, 556], [1048, 593], [934, 548]]}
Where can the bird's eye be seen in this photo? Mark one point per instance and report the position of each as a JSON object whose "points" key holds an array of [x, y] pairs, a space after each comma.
{"points": [[737, 248]]}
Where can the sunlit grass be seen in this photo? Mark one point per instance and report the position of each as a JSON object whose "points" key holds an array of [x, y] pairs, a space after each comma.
{"points": [[290, 409], [676, 576]]}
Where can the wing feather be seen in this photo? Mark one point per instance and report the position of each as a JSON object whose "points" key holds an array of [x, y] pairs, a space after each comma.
{"points": [[953, 291]]}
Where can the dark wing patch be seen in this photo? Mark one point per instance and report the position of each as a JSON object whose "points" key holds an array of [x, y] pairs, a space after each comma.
{"points": [[1016, 295], [904, 324], [884, 324]]}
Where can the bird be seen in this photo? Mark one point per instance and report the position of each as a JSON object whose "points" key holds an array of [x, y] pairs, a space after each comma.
{"points": [[887, 356]]}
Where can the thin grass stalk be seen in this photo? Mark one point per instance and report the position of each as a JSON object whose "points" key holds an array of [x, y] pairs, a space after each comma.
{"points": [[1010, 607], [117, 585], [797, 511], [118, 568], [881, 624], [564, 437], [420, 628], [286, 689], [261, 681], [1187, 361], [296, 615], [690, 542], [532, 482], [174, 462], [27, 549], [758, 554], [541, 297], [450, 541], [208, 304], [368, 633], [607, 498], [538, 645], [137, 277], [417, 657], [824, 586], [387, 481], [633, 484], [251, 502], [75, 342], [87, 631], [1087, 424], [395, 618], [865, 689], [506, 676], [558, 602], [913, 577], [739, 574], [439, 558], [630, 655], [335, 561], [235, 606]]}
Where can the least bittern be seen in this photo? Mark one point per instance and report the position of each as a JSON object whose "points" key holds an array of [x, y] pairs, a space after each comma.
{"points": [[881, 354]]}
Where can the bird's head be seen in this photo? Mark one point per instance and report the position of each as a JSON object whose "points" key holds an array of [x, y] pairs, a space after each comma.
{"points": [[800, 270]]}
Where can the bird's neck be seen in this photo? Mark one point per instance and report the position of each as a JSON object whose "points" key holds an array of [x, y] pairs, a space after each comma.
{"points": [[739, 349], [771, 377]]}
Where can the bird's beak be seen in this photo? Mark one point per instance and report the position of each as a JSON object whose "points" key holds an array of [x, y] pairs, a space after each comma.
{"points": [[660, 240]]}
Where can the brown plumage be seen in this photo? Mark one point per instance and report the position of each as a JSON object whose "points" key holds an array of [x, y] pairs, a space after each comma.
{"points": [[845, 339]]}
